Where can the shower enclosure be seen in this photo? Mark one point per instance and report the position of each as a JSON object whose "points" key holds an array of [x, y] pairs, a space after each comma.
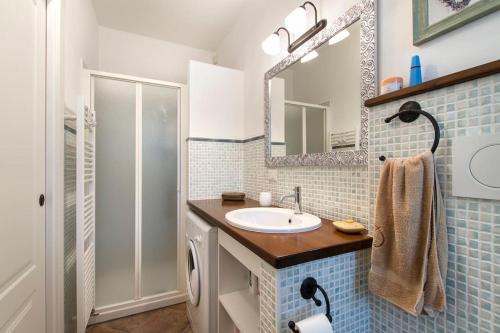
{"points": [[305, 128], [139, 188]]}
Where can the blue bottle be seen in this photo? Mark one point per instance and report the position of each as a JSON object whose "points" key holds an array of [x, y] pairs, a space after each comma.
{"points": [[415, 71]]}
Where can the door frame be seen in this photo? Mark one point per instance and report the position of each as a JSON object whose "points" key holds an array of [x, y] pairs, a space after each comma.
{"points": [[54, 169], [147, 303]]}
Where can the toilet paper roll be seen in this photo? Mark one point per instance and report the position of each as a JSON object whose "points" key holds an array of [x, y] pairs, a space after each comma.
{"points": [[315, 324]]}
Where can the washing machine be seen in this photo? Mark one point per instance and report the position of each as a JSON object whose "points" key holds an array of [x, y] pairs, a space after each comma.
{"points": [[201, 274]]}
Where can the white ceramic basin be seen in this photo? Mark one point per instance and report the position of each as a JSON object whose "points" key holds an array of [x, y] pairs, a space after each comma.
{"points": [[272, 220]]}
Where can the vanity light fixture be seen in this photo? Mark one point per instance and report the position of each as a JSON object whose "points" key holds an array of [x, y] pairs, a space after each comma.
{"points": [[295, 22], [272, 45], [310, 56], [339, 37]]}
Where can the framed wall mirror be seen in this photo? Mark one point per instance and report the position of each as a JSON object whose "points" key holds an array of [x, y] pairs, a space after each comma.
{"points": [[314, 98]]}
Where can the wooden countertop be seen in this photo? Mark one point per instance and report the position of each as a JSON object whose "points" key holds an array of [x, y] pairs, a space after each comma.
{"points": [[281, 250]]}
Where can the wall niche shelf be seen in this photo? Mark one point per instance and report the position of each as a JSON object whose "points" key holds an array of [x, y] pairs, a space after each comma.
{"points": [[441, 82], [238, 306], [243, 309]]}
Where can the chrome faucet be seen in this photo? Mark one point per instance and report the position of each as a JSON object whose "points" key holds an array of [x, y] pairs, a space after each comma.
{"points": [[298, 199]]}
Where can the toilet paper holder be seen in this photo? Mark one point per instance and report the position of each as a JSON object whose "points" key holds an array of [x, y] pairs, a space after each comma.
{"points": [[308, 291]]}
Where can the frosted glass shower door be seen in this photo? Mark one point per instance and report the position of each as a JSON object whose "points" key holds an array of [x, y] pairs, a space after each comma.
{"points": [[159, 189], [115, 106], [138, 187], [293, 130], [315, 130]]}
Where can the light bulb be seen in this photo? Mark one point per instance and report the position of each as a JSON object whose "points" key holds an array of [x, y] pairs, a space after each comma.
{"points": [[271, 45], [339, 37], [310, 56], [296, 21]]}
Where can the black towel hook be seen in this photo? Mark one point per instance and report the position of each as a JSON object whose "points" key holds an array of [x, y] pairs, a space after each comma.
{"points": [[409, 112], [307, 291]]}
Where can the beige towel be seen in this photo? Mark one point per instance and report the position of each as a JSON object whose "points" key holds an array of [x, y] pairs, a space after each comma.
{"points": [[410, 247]]}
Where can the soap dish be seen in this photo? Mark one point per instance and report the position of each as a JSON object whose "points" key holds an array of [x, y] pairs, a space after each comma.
{"points": [[233, 196], [349, 226]]}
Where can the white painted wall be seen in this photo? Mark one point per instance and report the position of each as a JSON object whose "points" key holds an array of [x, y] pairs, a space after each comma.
{"points": [[216, 96], [80, 46], [469, 46], [472, 45], [132, 54], [241, 49]]}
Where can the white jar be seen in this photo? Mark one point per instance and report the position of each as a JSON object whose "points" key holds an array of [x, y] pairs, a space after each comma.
{"points": [[265, 199]]}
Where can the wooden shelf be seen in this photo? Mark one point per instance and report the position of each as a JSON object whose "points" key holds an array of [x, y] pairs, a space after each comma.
{"points": [[441, 82], [243, 308]]}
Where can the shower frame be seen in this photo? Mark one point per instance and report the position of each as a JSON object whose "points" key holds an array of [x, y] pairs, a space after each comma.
{"points": [[139, 303]]}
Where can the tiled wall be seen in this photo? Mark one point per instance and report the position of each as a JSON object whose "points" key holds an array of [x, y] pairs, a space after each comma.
{"points": [[334, 193], [473, 283], [268, 286], [214, 167]]}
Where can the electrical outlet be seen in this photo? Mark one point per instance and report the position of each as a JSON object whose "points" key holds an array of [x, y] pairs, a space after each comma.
{"points": [[272, 175]]}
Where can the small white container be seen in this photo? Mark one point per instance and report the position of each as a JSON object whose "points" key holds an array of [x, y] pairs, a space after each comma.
{"points": [[391, 84], [265, 199]]}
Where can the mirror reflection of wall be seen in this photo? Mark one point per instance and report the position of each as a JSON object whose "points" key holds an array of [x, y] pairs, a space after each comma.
{"points": [[316, 105]]}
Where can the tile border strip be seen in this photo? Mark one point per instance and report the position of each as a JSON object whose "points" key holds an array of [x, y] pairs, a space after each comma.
{"points": [[255, 138]]}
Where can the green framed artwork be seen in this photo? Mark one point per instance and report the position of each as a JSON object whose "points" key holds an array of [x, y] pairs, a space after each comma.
{"points": [[433, 18]]}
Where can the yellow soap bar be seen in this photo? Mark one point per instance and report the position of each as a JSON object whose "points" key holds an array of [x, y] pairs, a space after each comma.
{"points": [[349, 226]]}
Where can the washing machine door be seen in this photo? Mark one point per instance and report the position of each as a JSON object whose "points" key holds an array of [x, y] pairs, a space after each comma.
{"points": [[193, 274]]}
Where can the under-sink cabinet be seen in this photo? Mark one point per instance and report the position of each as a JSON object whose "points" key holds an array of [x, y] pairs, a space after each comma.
{"points": [[238, 300]]}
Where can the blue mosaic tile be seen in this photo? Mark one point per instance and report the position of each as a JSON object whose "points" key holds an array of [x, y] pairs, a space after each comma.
{"points": [[473, 224]]}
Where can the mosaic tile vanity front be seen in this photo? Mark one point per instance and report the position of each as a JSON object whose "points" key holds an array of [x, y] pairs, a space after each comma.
{"points": [[473, 283], [344, 279]]}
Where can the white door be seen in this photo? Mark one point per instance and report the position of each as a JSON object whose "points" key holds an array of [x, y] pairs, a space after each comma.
{"points": [[22, 151]]}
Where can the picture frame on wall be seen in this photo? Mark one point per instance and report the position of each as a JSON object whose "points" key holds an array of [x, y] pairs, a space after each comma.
{"points": [[433, 18]]}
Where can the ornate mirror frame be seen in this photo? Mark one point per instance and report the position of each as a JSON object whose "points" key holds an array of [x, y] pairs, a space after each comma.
{"points": [[365, 12]]}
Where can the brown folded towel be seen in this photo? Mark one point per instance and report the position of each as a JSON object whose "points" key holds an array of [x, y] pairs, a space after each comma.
{"points": [[410, 246]]}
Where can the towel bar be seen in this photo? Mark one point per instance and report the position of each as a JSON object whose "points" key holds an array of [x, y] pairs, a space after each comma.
{"points": [[409, 112], [307, 291]]}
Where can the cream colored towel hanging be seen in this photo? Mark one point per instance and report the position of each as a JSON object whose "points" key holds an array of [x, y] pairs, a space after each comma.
{"points": [[410, 248]]}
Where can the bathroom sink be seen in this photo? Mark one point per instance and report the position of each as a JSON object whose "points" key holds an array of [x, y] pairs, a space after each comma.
{"points": [[272, 220]]}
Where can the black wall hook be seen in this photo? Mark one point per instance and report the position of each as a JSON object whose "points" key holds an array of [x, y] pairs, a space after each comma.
{"points": [[409, 112], [308, 291]]}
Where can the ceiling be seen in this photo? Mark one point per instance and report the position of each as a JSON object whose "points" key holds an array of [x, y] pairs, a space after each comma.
{"points": [[196, 23]]}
